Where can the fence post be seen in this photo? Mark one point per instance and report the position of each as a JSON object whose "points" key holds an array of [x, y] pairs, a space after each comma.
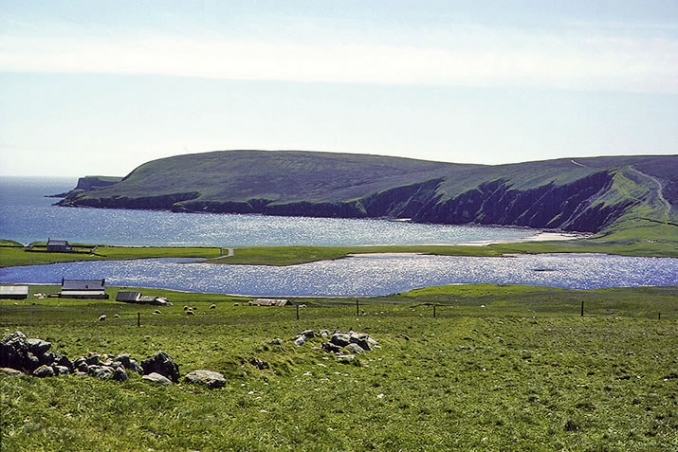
{"points": [[659, 316], [357, 307], [297, 312], [582, 308], [434, 311], [138, 319]]}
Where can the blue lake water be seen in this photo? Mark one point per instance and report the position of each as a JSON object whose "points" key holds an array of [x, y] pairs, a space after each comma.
{"points": [[26, 216], [364, 275]]}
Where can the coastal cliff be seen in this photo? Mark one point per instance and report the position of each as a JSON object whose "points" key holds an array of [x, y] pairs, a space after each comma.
{"points": [[587, 194]]}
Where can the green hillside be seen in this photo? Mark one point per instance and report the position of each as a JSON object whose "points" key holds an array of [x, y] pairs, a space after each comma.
{"points": [[597, 195]]}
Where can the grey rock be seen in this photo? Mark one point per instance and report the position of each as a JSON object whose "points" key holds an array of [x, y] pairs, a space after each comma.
{"points": [[129, 363], [14, 353], [155, 377], [340, 339], [100, 372], [259, 363], [10, 371], [80, 365], [61, 370], [47, 358], [30, 362], [63, 361], [354, 349], [43, 371], [119, 374], [330, 347], [93, 359], [208, 378], [162, 364], [309, 334], [38, 346]]}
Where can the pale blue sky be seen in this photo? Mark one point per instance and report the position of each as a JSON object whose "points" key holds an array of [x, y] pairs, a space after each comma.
{"points": [[99, 87]]}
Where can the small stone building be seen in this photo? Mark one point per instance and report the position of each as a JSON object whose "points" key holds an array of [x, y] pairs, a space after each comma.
{"points": [[268, 302], [58, 246], [83, 288], [13, 292]]}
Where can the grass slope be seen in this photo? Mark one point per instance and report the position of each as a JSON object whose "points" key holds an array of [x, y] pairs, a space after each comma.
{"points": [[585, 194], [498, 368]]}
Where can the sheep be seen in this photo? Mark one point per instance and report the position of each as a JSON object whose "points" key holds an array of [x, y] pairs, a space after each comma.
{"points": [[156, 312], [213, 306], [186, 308], [102, 317], [117, 316], [190, 313]]}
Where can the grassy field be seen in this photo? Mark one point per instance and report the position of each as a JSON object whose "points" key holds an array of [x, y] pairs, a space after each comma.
{"points": [[498, 368]]}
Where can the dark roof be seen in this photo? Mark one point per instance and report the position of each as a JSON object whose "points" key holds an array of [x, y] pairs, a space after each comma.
{"points": [[83, 284], [128, 296], [57, 242]]}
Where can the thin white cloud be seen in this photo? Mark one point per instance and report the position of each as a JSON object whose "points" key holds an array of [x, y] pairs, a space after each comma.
{"points": [[468, 56]]}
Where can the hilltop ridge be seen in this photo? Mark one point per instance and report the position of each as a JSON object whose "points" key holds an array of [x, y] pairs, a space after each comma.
{"points": [[582, 194]]}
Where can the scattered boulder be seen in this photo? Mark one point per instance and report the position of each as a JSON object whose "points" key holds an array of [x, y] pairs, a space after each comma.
{"points": [[344, 345], [340, 339], [207, 378], [303, 337], [213, 306], [330, 347], [10, 371], [63, 361], [61, 370], [119, 374], [155, 377], [128, 363], [102, 317], [354, 349], [259, 364], [162, 364], [19, 355], [100, 372], [43, 372], [38, 346], [17, 352]]}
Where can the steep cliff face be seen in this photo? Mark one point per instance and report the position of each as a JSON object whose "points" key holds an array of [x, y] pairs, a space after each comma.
{"points": [[568, 207]]}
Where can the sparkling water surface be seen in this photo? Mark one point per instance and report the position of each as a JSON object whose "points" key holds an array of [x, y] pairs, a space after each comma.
{"points": [[26, 215], [364, 275]]}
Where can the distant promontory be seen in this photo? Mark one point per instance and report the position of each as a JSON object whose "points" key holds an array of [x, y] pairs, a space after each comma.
{"points": [[582, 194]]}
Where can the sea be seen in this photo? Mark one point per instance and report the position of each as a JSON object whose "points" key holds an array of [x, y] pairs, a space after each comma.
{"points": [[27, 215]]}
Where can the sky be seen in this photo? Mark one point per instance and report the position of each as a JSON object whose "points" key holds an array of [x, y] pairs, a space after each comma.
{"points": [[99, 87]]}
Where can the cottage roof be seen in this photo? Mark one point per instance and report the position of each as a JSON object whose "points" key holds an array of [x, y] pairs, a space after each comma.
{"points": [[128, 296], [83, 284], [14, 291]]}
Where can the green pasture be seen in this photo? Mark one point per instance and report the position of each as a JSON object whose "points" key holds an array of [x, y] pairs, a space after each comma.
{"points": [[497, 368]]}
